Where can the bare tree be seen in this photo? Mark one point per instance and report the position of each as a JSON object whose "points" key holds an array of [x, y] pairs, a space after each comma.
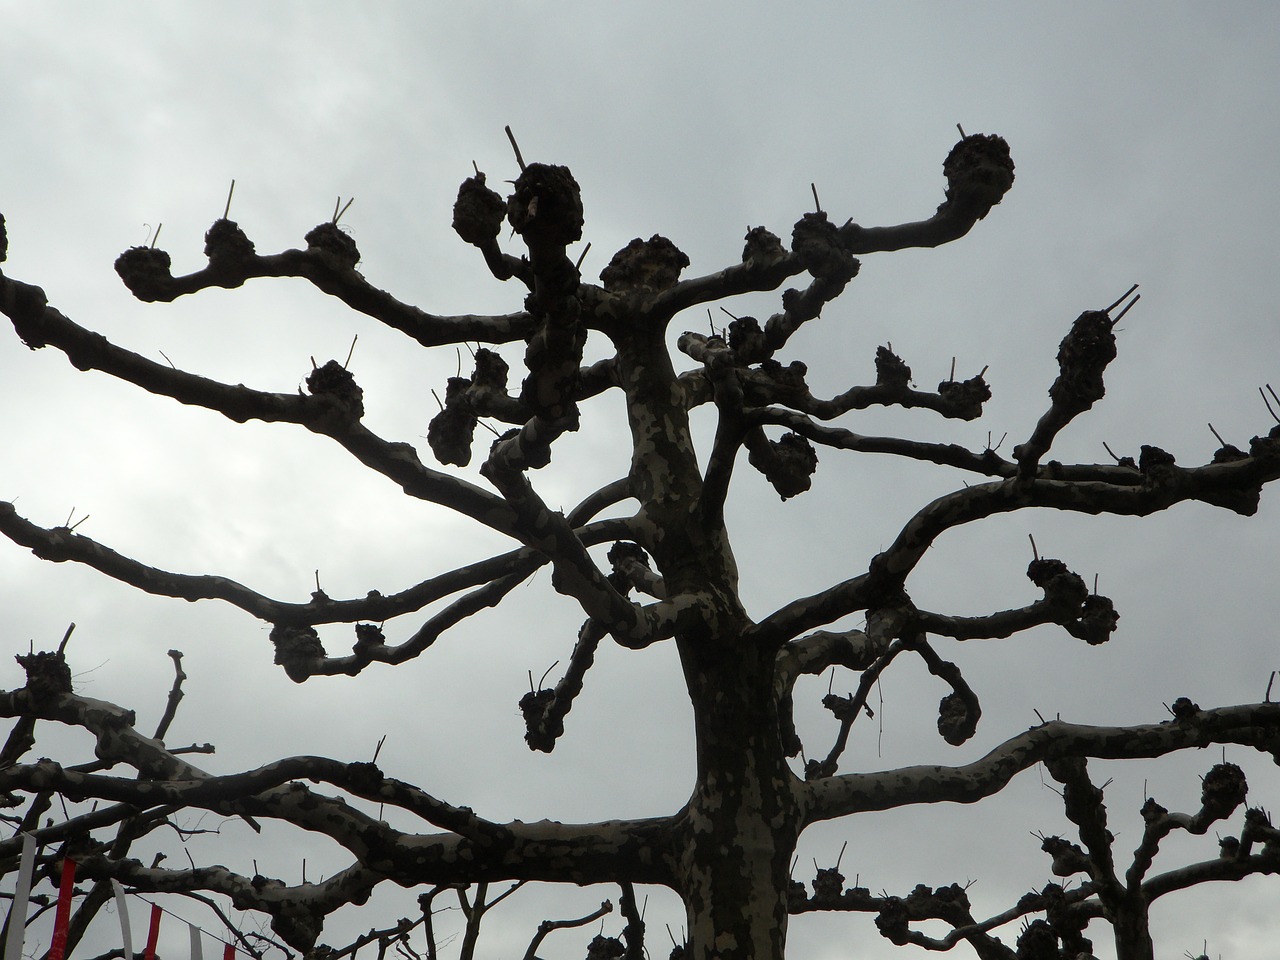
{"points": [[648, 558]]}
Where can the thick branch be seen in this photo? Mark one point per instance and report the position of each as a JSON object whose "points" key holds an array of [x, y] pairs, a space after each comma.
{"points": [[574, 572], [214, 792], [978, 172], [987, 463], [59, 544], [1255, 725], [328, 270], [1234, 485]]}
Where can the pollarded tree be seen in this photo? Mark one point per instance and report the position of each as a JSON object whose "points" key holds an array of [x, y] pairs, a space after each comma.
{"points": [[649, 560]]}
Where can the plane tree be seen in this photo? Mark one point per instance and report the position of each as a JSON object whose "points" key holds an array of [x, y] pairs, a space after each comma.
{"points": [[649, 560]]}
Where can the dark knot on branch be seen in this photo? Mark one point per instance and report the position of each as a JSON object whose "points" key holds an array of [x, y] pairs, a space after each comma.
{"points": [[979, 171], [298, 650], [226, 245], [147, 273], [478, 212], [48, 674], [546, 207], [331, 242], [653, 264]]}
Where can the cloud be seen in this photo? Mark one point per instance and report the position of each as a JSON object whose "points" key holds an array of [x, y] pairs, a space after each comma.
{"points": [[1145, 141]]}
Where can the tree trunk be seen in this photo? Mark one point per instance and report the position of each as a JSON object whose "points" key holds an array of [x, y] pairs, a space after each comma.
{"points": [[1132, 930], [740, 827]]}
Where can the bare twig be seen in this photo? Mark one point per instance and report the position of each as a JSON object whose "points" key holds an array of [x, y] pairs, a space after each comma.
{"points": [[515, 146], [1268, 402], [1123, 297], [175, 696]]}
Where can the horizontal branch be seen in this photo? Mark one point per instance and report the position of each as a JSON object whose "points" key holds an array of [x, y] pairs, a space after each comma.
{"points": [[1255, 725], [987, 463], [333, 274], [297, 912], [222, 793], [755, 275], [978, 172], [472, 850], [333, 409], [957, 404], [1234, 485], [59, 544]]}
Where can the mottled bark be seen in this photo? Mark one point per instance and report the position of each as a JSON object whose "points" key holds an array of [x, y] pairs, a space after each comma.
{"points": [[670, 576], [738, 832]]}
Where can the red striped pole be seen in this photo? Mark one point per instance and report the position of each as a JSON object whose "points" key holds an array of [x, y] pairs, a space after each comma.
{"points": [[62, 917], [153, 934]]}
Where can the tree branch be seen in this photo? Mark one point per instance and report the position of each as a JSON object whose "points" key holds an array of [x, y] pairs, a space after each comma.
{"points": [[328, 264], [1255, 725]]}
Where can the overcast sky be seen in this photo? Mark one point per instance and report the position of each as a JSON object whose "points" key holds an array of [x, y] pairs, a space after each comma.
{"points": [[1145, 136]]}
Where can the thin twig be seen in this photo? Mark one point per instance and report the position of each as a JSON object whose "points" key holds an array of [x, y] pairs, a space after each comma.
{"points": [[1273, 397], [175, 696], [1121, 300], [1127, 307], [515, 146], [226, 211], [1268, 403], [543, 678], [62, 646]]}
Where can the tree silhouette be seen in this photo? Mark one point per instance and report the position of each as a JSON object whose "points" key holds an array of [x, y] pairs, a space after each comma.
{"points": [[648, 559]]}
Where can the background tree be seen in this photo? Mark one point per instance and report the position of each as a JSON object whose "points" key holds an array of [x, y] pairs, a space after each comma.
{"points": [[794, 507]]}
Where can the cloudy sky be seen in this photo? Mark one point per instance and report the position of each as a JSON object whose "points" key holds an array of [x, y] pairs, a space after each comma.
{"points": [[1146, 141]]}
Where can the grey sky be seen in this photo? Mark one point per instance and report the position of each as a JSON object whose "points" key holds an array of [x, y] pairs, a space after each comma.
{"points": [[1145, 137]]}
